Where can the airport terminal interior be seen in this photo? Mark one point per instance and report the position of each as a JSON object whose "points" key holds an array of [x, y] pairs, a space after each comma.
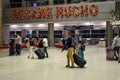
{"points": [[91, 21], [53, 68]]}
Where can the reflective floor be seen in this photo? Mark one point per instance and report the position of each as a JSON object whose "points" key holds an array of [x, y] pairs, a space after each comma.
{"points": [[53, 68]]}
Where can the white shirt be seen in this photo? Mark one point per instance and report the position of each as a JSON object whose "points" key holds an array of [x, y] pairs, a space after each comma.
{"points": [[18, 40], [116, 42], [45, 42]]}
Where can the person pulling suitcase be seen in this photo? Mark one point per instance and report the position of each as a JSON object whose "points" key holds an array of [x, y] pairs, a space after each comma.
{"points": [[116, 47]]}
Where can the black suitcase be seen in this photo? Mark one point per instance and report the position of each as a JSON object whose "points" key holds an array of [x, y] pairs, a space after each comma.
{"points": [[40, 53], [78, 61], [11, 51]]}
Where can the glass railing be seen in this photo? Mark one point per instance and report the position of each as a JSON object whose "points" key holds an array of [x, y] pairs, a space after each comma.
{"points": [[46, 2], [26, 4]]}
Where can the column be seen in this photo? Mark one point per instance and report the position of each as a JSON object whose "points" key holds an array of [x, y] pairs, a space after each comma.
{"points": [[51, 34], [1, 38], [37, 32], [109, 34], [6, 32], [65, 31], [51, 2], [116, 30], [23, 33], [77, 35], [65, 1]]}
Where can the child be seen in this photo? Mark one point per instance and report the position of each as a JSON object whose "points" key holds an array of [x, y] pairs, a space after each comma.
{"points": [[31, 53], [81, 47]]}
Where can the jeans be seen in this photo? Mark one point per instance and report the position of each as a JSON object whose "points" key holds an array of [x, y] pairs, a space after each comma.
{"points": [[45, 50], [116, 52], [18, 49]]}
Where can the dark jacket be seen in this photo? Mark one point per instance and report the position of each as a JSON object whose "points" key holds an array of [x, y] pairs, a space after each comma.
{"points": [[68, 43], [40, 45], [31, 43]]}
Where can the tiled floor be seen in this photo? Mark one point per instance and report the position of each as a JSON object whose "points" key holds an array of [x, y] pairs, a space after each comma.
{"points": [[53, 68]]}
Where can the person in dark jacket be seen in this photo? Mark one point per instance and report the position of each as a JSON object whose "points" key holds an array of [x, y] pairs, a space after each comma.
{"points": [[40, 44], [69, 55]]}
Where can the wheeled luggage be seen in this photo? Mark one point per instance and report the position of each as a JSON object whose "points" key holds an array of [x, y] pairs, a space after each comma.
{"points": [[40, 53], [11, 49], [109, 54], [119, 58], [78, 61]]}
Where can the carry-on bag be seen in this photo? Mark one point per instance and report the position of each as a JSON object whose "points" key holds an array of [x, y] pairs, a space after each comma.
{"points": [[40, 53], [109, 53], [79, 61]]}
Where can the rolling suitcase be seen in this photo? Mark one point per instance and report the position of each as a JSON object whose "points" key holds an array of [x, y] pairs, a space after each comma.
{"points": [[11, 48], [40, 53], [78, 61], [11, 51], [109, 54], [119, 58]]}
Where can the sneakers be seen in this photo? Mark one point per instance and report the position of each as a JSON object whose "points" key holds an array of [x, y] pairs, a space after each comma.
{"points": [[116, 59], [46, 57], [28, 57], [71, 67], [67, 66], [32, 57]]}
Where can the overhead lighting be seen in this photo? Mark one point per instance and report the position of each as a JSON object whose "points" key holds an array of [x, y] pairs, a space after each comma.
{"points": [[57, 24], [13, 26], [87, 23], [103, 23], [41, 25], [27, 25]]}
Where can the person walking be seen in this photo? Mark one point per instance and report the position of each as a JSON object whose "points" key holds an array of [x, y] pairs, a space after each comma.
{"points": [[69, 54], [116, 46], [45, 44], [31, 53], [18, 44]]}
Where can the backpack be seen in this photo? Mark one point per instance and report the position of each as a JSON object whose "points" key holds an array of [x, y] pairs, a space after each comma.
{"points": [[74, 43]]}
